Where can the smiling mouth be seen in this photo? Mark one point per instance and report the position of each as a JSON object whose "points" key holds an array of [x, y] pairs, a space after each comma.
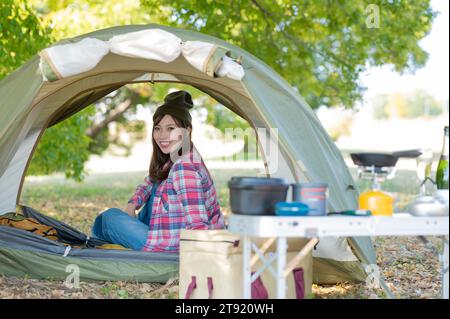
{"points": [[165, 144]]}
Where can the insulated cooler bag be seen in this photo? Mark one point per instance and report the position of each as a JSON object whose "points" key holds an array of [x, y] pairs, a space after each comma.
{"points": [[211, 267]]}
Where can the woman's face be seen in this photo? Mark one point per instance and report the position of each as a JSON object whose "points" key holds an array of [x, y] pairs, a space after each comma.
{"points": [[168, 135]]}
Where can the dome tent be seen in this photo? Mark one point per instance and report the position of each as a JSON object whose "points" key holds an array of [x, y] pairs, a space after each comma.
{"points": [[74, 73]]}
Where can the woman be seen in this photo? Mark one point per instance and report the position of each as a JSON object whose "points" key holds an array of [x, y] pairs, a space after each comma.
{"points": [[177, 194]]}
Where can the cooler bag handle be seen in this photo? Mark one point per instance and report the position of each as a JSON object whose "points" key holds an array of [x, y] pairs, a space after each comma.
{"points": [[191, 288], [259, 291], [193, 285], [210, 287], [299, 281]]}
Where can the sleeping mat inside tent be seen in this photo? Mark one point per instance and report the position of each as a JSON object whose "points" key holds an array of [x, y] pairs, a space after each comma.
{"points": [[46, 252]]}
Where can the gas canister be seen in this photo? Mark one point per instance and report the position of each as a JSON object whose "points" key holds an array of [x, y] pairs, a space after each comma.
{"points": [[378, 202]]}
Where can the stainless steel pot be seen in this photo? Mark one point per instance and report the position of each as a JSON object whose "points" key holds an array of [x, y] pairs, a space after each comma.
{"points": [[428, 206]]}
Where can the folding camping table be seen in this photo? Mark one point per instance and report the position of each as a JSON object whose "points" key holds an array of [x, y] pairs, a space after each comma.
{"points": [[280, 228]]}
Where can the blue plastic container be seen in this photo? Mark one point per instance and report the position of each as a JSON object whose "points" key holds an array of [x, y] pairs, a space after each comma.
{"points": [[291, 209]]}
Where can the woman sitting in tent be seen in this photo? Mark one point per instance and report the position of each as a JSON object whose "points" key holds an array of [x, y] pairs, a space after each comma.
{"points": [[177, 194]]}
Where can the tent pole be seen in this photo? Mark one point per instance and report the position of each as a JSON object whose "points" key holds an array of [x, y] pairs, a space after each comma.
{"points": [[386, 289]]}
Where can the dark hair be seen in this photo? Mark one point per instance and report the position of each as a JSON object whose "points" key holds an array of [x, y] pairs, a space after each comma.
{"points": [[157, 171]]}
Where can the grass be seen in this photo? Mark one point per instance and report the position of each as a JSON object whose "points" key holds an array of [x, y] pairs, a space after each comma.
{"points": [[78, 204]]}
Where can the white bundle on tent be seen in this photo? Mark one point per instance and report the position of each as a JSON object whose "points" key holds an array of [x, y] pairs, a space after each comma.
{"points": [[230, 69], [61, 61], [211, 59], [197, 53], [153, 44]]}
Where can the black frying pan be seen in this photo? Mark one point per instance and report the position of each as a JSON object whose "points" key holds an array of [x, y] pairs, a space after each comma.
{"points": [[382, 159]]}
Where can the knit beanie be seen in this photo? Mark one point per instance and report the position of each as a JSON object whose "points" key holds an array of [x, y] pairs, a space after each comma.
{"points": [[176, 104]]}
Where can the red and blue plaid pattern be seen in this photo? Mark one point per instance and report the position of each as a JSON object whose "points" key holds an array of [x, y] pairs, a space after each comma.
{"points": [[185, 200]]}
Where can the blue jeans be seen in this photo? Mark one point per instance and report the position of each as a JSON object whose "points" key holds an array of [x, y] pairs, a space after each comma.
{"points": [[117, 227]]}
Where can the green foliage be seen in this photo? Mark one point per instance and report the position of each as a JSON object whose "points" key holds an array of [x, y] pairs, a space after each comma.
{"points": [[70, 18], [21, 34], [222, 118], [379, 102], [319, 46], [64, 148], [402, 105], [423, 104]]}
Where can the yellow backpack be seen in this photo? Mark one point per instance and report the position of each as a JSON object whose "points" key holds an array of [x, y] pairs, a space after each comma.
{"points": [[29, 224]]}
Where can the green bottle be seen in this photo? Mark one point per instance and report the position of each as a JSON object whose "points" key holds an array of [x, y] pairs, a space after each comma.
{"points": [[442, 170]]}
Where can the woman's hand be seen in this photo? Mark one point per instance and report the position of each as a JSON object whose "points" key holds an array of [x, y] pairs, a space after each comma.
{"points": [[131, 210]]}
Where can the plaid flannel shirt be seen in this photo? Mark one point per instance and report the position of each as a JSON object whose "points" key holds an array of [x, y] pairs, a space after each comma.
{"points": [[185, 200]]}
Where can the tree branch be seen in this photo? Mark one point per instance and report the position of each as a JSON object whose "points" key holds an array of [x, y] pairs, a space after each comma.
{"points": [[296, 41], [95, 129]]}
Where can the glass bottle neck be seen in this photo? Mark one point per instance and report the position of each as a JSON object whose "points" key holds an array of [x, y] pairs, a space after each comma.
{"points": [[445, 147]]}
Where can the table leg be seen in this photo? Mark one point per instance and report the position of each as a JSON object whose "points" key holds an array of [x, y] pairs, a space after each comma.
{"points": [[247, 272], [281, 264], [444, 257]]}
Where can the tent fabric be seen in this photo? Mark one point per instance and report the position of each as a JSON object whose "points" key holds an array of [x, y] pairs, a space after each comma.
{"points": [[61, 61], [39, 265], [24, 240], [327, 271], [330, 245], [305, 151]]}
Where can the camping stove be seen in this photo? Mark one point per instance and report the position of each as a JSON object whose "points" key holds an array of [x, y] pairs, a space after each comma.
{"points": [[375, 199], [377, 167]]}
